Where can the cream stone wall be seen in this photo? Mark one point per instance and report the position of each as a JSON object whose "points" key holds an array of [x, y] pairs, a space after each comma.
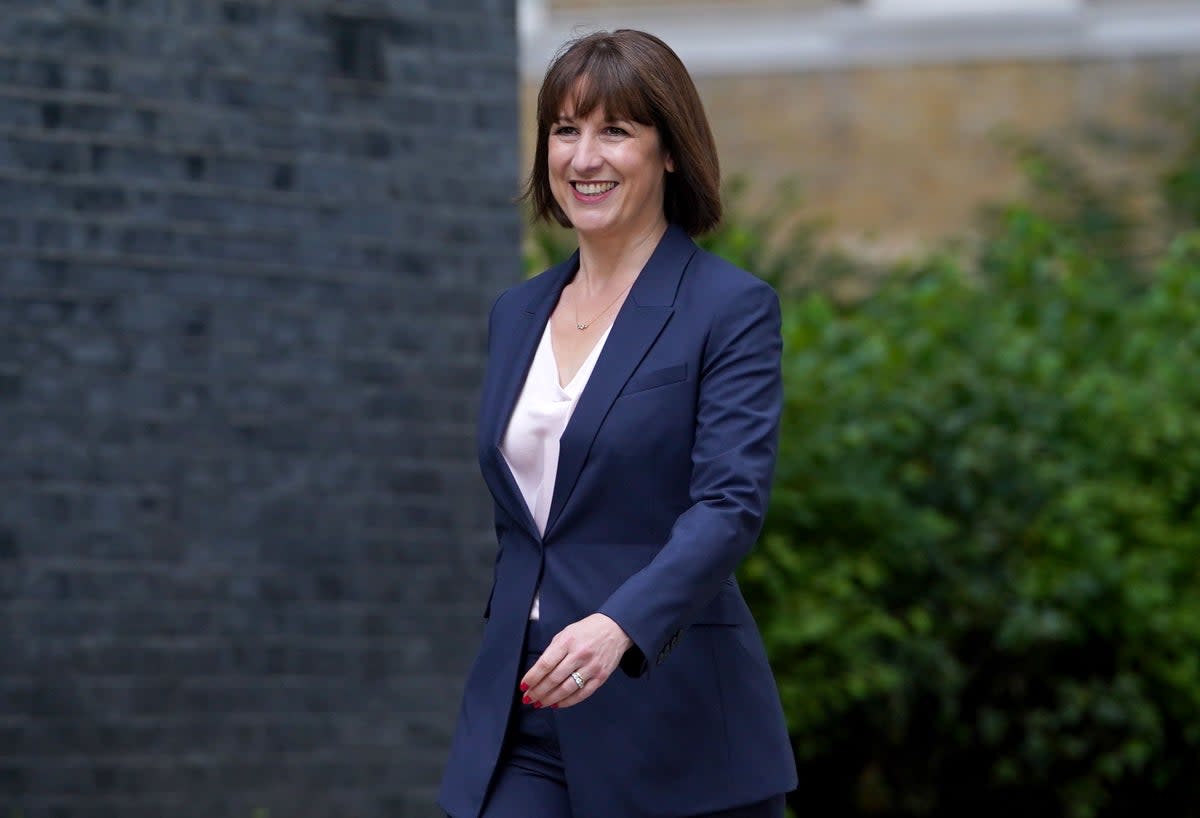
{"points": [[900, 156]]}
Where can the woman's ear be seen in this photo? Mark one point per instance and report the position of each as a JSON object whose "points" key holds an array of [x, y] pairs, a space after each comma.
{"points": [[669, 163]]}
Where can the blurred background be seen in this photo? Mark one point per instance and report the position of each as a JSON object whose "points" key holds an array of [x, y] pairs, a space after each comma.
{"points": [[979, 574], [892, 115], [247, 249]]}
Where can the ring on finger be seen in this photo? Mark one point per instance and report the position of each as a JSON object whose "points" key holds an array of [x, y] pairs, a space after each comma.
{"points": [[579, 680]]}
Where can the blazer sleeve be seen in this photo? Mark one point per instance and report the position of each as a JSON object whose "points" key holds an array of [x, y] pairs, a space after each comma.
{"points": [[733, 460]]}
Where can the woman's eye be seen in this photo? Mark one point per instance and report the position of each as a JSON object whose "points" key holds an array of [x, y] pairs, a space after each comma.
{"points": [[615, 130], [564, 130]]}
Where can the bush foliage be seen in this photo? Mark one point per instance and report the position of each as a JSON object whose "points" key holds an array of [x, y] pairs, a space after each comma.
{"points": [[980, 577], [981, 570]]}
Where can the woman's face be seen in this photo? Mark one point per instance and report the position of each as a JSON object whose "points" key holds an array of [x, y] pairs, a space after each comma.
{"points": [[606, 174]]}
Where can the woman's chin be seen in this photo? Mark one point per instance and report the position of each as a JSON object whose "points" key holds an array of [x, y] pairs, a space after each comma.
{"points": [[595, 228]]}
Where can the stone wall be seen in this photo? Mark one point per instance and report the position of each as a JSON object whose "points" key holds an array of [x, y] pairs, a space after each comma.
{"points": [[899, 157]]}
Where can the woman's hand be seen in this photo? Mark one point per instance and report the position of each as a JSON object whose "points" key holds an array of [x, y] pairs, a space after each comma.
{"points": [[591, 647]]}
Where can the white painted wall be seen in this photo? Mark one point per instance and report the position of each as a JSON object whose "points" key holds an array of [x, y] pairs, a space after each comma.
{"points": [[737, 39]]}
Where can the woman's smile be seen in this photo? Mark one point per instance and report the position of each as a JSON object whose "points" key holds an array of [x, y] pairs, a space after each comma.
{"points": [[592, 192]]}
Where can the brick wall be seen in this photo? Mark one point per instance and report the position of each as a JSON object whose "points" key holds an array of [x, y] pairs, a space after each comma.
{"points": [[246, 255]]}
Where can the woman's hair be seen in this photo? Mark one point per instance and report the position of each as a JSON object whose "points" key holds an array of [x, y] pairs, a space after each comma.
{"points": [[636, 76]]}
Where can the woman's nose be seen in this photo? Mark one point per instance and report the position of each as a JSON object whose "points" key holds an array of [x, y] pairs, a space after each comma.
{"points": [[587, 156]]}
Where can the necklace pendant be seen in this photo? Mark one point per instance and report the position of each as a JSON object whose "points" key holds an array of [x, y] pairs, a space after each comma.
{"points": [[581, 326]]}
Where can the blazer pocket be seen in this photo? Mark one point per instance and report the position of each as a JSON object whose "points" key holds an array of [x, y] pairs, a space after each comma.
{"points": [[656, 377]]}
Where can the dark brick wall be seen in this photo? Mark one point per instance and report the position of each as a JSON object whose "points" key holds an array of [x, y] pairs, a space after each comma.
{"points": [[246, 255]]}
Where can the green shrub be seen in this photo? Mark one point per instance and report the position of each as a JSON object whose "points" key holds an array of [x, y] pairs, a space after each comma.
{"points": [[980, 577], [1181, 183]]}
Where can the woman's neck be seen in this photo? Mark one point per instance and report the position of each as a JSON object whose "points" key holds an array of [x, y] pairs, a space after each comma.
{"points": [[604, 260]]}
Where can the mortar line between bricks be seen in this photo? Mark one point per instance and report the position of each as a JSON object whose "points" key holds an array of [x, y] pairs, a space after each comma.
{"points": [[449, 429], [130, 489], [218, 267], [26, 293], [353, 123], [290, 117], [101, 608], [182, 149], [231, 681], [207, 230], [210, 759], [300, 46], [243, 681], [168, 376], [332, 642], [259, 374], [310, 45], [301, 638], [171, 799], [337, 642], [227, 193], [356, 9], [199, 189], [160, 486], [295, 637], [207, 758], [347, 608]]}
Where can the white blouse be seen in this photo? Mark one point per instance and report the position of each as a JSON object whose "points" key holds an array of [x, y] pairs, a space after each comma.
{"points": [[542, 411]]}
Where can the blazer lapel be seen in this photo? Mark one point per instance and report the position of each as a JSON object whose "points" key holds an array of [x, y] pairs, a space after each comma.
{"points": [[638, 324], [514, 355]]}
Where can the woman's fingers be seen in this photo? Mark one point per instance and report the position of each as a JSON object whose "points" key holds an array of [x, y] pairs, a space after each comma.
{"points": [[557, 681], [534, 682], [567, 692], [575, 695], [571, 693], [591, 647]]}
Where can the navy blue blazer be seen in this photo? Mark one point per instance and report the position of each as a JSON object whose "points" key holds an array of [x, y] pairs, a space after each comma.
{"points": [[663, 477]]}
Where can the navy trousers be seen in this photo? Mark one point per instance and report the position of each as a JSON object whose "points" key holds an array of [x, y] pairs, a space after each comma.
{"points": [[531, 780]]}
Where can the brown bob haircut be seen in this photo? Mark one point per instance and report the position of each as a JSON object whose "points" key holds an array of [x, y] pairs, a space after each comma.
{"points": [[633, 75]]}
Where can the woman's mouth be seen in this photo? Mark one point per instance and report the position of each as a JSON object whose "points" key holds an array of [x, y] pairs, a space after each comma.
{"points": [[592, 191]]}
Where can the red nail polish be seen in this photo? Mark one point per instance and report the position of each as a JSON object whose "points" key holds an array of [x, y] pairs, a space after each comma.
{"points": [[536, 705], [554, 706], [526, 700], [524, 686]]}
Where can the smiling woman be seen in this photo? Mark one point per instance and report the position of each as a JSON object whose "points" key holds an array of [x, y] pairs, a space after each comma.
{"points": [[608, 173], [643, 83], [628, 427]]}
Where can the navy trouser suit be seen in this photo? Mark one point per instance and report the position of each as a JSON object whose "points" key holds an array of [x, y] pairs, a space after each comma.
{"points": [[663, 478]]}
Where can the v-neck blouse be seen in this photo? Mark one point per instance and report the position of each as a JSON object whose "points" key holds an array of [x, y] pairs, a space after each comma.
{"points": [[531, 441]]}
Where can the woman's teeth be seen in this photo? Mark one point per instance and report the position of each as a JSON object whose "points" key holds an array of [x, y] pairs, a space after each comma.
{"points": [[594, 188]]}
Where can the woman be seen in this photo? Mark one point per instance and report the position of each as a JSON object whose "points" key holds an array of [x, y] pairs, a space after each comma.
{"points": [[627, 434]]}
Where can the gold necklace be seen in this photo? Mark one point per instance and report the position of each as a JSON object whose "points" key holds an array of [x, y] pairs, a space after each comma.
{"points": [[587, 324]]}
